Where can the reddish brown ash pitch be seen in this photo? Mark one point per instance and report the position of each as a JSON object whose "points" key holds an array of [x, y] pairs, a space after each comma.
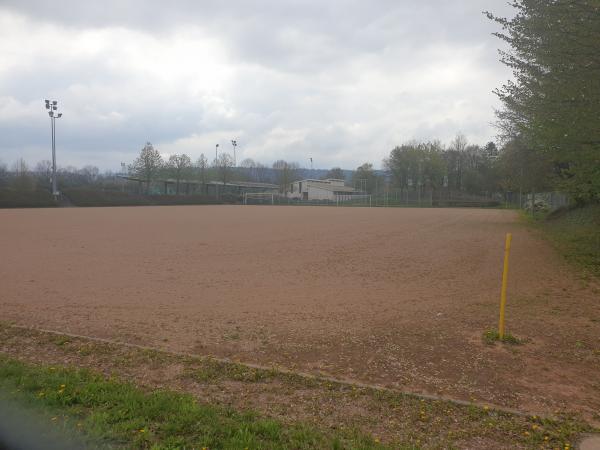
{"points": [[399, 297]]}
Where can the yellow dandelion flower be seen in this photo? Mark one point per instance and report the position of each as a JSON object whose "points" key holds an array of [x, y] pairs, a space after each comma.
{"points": [[526, 433], [63, 386], [142, 430], [377, 440], [485, 408]]}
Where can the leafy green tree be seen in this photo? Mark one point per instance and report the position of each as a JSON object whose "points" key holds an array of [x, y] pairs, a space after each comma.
{"points": [[417, 164], [365, 178], [553, 104], [523, 169]]}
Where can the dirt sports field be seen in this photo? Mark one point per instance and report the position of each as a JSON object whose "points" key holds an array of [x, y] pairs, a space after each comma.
{"points": [[397, 297]]}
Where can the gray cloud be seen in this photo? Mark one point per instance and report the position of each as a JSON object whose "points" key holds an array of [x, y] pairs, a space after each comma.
{"points": [[341, 81]]}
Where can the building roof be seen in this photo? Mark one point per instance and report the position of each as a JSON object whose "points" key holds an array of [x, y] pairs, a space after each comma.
{"points": [[229, 183], [333, 188]]}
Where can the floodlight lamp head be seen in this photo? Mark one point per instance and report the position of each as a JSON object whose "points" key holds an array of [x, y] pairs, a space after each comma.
{"points": [[54, 102], [55, 108], [51, 114], [59, 115]]}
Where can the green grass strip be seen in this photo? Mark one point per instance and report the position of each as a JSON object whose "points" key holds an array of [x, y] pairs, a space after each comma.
{"points": [[113, 413]]}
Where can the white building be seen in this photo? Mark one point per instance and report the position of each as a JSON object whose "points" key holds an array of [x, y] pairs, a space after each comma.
{"points": [[330, 189]]}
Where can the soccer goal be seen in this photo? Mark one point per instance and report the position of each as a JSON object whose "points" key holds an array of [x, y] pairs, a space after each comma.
{"points": [[259, 198], [353, 200]]}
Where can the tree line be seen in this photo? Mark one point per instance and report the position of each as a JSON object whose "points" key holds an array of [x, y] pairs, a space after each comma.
{"points": [[550, 115], [458, 166]]}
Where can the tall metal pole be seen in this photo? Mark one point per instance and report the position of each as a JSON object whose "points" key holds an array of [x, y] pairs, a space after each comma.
{"points": [[234, 143], [216, 154], [52, 107], [53, 124]]}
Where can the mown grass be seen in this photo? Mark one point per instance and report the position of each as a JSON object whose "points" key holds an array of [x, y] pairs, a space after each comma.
{"points": [[119, 414], [575, 233]]}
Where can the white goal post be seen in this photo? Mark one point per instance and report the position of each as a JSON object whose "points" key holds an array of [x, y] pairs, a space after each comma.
{"points": [[353, 199], [265, 196]]}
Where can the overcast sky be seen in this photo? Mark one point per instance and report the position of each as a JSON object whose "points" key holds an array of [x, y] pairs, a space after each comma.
{"points": [[340, 81]]}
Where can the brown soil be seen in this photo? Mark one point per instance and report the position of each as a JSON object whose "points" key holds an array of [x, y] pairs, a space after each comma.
{"points": [[399, 297]]}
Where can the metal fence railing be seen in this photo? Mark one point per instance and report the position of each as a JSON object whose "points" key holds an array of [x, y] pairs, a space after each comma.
{"points": [[541, 201]]}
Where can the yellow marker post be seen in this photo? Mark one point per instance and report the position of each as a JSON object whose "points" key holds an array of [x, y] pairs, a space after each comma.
{"points": [[504, 283]]}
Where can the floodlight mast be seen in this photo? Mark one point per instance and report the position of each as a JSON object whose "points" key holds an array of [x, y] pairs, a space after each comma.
{"points": [[52, 106], [234, 143]]}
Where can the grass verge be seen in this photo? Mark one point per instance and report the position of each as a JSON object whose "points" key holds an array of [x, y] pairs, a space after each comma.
{"points": [[328, 414], [118, 414], [575, 232]]}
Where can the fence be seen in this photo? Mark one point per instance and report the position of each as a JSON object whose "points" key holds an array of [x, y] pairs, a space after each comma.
{"points": [[433, 197], [542, 201]]}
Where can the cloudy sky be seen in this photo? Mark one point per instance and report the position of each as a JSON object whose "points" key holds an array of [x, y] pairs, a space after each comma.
{"points": [[341, 81]]}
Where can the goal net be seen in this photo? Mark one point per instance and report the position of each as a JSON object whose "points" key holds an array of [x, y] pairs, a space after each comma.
{"points": [[259, 198], [353, 200]]}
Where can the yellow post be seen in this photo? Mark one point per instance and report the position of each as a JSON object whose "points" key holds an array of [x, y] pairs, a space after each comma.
{"points": [[504, 283]]}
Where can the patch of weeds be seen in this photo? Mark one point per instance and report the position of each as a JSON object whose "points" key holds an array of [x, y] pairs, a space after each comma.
{"points": [[232, 336], [492, 336], [210, 370], [61, 340]]}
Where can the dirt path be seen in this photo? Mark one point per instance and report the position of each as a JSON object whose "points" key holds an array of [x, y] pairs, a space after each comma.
{"points": [[393, 296]]}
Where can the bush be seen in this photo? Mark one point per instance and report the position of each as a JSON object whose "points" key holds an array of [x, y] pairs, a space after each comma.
{"points": [[92, 197], [17, 198]]}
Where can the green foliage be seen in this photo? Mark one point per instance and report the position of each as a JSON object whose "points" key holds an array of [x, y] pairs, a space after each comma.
{"points": [[123, 415], [492, 336], [419, 164], [365, 178], [524, 169], [576, 234], [553, 104], [94, 197], [13, 198]]}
